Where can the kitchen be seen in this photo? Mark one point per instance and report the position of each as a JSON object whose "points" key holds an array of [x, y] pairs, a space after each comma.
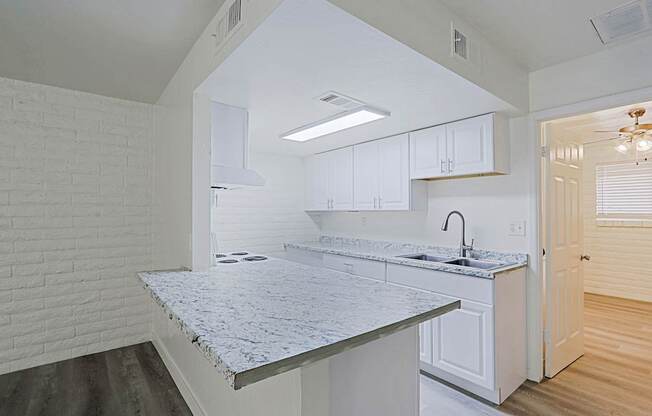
{"points": [[319, 187]]}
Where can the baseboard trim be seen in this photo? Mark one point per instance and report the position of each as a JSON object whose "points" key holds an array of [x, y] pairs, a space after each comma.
{"points": [[181, 382]]}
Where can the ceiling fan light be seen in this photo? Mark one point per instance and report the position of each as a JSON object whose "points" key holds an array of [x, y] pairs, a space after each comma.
{"points": [[622, 148], [643, 145]]}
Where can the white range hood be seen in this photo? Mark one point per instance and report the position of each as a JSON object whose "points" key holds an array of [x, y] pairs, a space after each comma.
{"points": [[230, 149]]}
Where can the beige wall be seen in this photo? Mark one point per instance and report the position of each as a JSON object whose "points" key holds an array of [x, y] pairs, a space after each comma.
{"points": [[621, 257]]}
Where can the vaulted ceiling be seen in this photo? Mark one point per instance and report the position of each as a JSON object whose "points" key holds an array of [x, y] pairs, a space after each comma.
{"points": [[120, 48]]}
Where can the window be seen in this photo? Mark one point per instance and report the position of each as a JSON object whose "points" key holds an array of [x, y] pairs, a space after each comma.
{"points": [[624, 190]]}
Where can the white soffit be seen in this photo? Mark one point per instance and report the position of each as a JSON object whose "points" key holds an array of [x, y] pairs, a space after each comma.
{"points": [[538, 33], [308, 48]]}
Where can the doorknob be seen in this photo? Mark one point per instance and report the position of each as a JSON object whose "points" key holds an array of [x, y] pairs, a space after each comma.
{"points": [[585, 257]]}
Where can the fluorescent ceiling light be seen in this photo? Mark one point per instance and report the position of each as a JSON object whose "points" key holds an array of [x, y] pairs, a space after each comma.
{"points": [[339, 122]]}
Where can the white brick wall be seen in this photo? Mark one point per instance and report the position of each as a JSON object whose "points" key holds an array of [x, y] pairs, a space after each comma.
{"points": [[261, 219], [75, 223], [620, 256]]}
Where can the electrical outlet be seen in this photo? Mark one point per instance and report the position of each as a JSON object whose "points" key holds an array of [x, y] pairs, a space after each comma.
{"points": [[517, 228], [363, 220]]}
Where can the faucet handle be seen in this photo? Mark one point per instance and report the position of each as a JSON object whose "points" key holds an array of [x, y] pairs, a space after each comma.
{"points": [[472, 243]]}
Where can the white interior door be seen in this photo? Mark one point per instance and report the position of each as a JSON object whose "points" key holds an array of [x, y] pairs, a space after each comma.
{"points": [[564, 335]]}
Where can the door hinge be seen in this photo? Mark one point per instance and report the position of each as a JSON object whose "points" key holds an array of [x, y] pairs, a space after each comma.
{"points": [[545, 151], [546, 336]]}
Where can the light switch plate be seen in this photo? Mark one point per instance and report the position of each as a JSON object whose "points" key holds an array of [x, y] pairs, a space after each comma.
{"points": [[517, 228]]}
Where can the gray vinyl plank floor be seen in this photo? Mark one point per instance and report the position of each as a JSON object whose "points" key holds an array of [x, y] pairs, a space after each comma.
{"points": [[134, 381], [125, 381]]}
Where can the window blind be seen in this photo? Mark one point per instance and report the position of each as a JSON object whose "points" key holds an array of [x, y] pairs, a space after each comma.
{"points": [[624, 189]]}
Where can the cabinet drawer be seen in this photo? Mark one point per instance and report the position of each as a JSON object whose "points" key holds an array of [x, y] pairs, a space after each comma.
{"points": [[311, 258], [455, 285], [359, 267]]}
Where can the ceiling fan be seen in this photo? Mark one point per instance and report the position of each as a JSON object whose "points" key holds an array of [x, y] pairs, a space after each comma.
{"points": [[636, 137]]}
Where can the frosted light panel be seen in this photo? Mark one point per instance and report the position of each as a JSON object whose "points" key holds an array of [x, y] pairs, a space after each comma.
{"points": [[338, 123]]}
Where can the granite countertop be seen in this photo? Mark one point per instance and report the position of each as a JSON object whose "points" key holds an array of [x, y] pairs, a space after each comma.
{"points": [[256, 320], [388, 250]]}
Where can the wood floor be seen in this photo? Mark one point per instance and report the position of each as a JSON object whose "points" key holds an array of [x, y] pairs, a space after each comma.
{"points": [[614, 377], [126, 381]]}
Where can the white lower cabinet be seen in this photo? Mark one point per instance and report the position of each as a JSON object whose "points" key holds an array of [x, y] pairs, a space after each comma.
{"points": [[462, 343], [480, 347]]}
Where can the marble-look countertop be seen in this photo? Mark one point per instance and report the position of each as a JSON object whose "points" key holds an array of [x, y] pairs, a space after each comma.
{"points": [[388, 251], [256, 320]]}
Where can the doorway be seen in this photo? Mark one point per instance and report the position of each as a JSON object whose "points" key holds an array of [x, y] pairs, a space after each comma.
{"points": [[596, 193]]}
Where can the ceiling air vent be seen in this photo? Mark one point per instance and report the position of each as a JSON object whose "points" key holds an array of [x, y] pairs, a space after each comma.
{"points": [[340, 100], [228, 24], [624, 21], [459, 44], [235, 14]]}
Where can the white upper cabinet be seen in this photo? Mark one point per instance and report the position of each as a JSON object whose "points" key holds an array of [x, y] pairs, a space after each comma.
{"points": [[381, 174], [474, 146], [329, 180], [340, 178], [428, 157], [365, 176], [394, 174]]}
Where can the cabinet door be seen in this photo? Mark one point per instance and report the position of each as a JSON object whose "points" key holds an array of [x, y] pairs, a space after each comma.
{"points": [[317, 196], [428, 157], [425, 342], [340, 183], [365, 176], [469, 145], [394, 174], [463, 345]]}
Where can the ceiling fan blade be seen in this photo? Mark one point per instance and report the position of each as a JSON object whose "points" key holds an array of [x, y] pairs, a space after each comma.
{"points": [[602, 140], [606, 131]]}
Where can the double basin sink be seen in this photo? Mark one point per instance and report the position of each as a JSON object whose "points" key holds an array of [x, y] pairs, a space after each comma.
{"points": [[461, 261]]}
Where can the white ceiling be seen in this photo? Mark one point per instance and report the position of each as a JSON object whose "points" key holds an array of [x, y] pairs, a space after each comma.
{"points": [[308, 47], [120, 48], [537, 33], [583, 127]]}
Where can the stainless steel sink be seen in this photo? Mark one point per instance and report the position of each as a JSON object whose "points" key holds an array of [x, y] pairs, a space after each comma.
{"points": [[426, 257], [477, 264]]}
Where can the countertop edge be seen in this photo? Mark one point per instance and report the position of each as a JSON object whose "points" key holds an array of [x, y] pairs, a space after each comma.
{"points": [[238, 380], [411, 263], [269, 370], [228, 374]]}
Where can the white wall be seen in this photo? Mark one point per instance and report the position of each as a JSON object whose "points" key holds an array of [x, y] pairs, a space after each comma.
{"points": [[620, 264], [261, 219], [616, 69], [75, 223]]}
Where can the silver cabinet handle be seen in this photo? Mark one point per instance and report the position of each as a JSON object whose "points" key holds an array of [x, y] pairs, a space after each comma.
{"points": [[375, 202], [585, 257], [442, 168], [450, 165], [379, 206]]}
